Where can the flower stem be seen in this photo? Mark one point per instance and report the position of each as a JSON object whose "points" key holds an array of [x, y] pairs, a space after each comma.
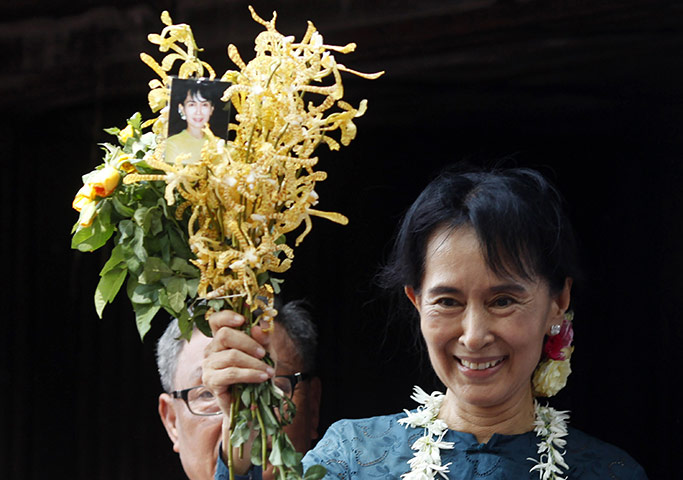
{"points": [[262, 426]]}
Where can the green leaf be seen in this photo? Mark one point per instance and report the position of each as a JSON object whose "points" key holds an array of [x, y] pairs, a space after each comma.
{"points": [[179, 244], [269, 419], [127, 229], [112, 131], [154, 270], [262, 278], [121, 208], [246, 397], [141, 218], [93, 237], [143, 317], [290, 456], [115, 260], [200, 321], [134, 265], [82, 234], [163, 299], [108, 286], [216, 304], [176, 288], [139, 245], [315, 472], [141, 294], [181, 265], [256, 451], [275, 457], [155, 223], [192, 286], [185, 324], [241, 433], [135, 120], [165, 248]]}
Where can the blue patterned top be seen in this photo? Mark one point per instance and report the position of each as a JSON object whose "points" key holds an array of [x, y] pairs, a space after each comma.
{"points": [[379, 448]]}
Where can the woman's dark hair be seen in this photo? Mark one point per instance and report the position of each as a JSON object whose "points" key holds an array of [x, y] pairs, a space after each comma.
{"points": [[517, 216], [204, 88]]}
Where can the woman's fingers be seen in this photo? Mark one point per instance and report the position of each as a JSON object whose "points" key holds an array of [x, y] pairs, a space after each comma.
{"points": [[232, 356], [227, 367], [225, 318], [227, 338]]}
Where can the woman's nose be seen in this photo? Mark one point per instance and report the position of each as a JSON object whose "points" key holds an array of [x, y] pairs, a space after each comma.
{"points": [[476, 333]]}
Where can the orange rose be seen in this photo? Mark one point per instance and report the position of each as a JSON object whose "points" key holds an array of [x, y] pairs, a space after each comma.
{"points": [[104, 181]]}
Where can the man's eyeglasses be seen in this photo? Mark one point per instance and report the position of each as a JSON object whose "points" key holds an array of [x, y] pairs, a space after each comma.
{"points": [[200, 400]]}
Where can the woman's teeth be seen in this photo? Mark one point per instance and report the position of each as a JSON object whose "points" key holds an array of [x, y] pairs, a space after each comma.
{"points": [[480, 366]]}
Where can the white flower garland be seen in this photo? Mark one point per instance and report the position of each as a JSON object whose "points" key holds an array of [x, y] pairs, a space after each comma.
{"points": [[550, 425]]}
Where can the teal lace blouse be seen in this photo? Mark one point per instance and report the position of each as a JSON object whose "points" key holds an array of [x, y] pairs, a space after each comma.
{"points": [[379, 448]]}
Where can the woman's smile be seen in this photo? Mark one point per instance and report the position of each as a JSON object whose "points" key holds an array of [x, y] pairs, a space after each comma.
{"points": [[478, 370]]}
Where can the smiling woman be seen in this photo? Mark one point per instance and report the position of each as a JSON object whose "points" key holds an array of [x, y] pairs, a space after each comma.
{"points": [[488, 260]]}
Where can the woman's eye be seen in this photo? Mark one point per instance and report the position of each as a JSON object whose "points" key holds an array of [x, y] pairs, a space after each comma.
{"points": [[447, 302], [502, 302]]}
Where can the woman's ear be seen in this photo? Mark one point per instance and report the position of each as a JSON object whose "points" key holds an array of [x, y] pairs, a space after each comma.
{"points": [[412, 296], [561, 302]]}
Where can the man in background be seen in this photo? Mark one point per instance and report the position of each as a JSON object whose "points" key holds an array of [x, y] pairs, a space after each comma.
{"points": [[191, 414]]}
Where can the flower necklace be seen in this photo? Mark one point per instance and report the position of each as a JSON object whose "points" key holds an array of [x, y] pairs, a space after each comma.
{"points": [[550, 426]]}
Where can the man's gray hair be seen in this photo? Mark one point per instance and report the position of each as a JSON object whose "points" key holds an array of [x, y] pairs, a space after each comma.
{"points": [[293, 316], [169, 346], [296, 319]]}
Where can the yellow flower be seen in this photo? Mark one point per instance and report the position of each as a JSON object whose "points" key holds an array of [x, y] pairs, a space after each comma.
{"points": [[104, 181], [550, 377], [123, 162], [126, 133], [84, 196], [100, 184]]}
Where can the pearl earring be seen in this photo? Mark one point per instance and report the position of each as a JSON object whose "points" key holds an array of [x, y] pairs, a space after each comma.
{"points": [[555, 330]]}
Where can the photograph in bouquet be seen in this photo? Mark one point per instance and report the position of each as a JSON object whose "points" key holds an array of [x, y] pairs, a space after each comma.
{"points": [[195, 105]]}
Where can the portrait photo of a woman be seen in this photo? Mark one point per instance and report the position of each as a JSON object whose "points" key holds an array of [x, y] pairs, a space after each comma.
{"points": [[195, 104]]}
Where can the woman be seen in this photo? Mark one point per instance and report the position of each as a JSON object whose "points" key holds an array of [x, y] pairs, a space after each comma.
{"points": [[195, 107], [488, 260]]}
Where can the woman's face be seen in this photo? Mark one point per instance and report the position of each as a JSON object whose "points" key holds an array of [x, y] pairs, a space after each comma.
{"points": [[484, 333], [197, 109]]}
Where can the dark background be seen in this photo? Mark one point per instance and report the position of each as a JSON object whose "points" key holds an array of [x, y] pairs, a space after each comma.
{"points": [[590, 93]]}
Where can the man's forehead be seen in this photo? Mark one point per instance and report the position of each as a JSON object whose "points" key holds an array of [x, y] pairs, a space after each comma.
{"points": [[189, 368], [288, 358]]}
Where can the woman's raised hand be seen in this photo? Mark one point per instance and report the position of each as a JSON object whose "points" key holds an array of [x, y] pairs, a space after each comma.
{"points": [[233, 356]]}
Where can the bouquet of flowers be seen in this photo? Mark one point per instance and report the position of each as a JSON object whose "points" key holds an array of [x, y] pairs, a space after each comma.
{"points": [[193, 237]]}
